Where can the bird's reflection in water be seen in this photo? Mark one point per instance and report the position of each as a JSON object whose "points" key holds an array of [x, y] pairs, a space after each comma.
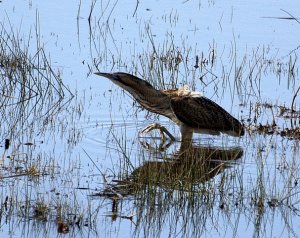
{"points": [[186, 171], [189, 166]]}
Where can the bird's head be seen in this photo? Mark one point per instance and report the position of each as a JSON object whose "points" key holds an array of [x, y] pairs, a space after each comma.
{"points": [[128, 82]]}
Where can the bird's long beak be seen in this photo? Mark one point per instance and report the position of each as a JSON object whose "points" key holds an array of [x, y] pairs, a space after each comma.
{"points": [[106, 75], [112, 77]]}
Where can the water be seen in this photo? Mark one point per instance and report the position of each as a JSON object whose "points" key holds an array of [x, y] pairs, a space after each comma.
{"points": [[69, 179]]}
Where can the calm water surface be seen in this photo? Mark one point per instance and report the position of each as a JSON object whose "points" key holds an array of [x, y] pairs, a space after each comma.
{"points": [[247, 61]]}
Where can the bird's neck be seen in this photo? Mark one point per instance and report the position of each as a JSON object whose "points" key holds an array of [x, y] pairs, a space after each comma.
{"points": [[155, 101]]}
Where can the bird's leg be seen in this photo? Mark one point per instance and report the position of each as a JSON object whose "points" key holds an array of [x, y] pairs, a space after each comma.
{"points": [[161, 129], [162, 146]]}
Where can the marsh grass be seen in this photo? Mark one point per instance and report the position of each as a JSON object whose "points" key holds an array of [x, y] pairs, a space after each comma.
{"points": [[171, 65], [31, 98], [30, 88], [282, 120], [28, 204], [202, 191]]}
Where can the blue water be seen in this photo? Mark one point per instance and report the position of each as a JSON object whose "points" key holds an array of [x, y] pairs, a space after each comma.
{"points": [[95, 135]]}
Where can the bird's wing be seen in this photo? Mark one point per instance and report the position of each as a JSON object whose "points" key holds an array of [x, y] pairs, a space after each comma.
{"points": [[202, 113]]}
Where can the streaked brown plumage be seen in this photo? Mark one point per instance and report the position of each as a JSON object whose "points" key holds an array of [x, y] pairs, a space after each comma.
{"points": [[191, 111]]}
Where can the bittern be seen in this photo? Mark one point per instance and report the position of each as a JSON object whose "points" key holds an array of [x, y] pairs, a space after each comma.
{"points": [[191, 111]]}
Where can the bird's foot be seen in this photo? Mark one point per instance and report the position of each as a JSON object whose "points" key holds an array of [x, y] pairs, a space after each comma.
{"points": [[161, 129]]}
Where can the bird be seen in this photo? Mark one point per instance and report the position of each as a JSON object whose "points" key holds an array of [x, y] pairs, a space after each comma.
{"points": [[191, 111]]}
